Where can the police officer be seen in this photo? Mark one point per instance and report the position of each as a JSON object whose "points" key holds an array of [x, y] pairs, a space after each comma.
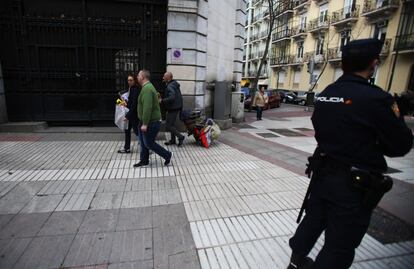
{"points": [[355, 124]]}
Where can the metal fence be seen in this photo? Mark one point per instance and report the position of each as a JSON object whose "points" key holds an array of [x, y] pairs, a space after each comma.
{"points": [[66, 62]]}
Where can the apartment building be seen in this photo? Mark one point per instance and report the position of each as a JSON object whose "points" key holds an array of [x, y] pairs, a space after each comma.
{"points": [[257, 29], [309, 35]]}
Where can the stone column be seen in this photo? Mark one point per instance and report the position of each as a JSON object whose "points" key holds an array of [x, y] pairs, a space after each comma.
{"points": [[239, 42], [187, 30]]}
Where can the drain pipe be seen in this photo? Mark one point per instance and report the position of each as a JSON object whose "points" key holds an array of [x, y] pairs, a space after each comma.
{"points": [[392, 71]]}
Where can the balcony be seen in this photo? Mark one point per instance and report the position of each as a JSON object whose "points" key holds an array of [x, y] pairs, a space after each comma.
{"points": [[335, 55], [263, 34], [301, 6], [256, 2], [345, 17], [321, 2], [318, 25], [260, 54], [404, 42], [299, 32], [318, 58], [254, 37], [283, 8], [375, 10], [296, 60], [253, 56], [279, 61], [251, 74], [282, 35]]}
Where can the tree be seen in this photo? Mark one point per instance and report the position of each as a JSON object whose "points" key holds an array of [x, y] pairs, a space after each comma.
{"points": [[274, 8]]}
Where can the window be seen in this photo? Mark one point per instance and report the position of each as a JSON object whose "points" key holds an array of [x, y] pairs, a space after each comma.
{"points": [[302, 24], [126, 61], [296, 77], [323, 14], [319, 45], [349, 6], [380, 3], [300, 50], [282, 77], [380, 31], [345, 38]]}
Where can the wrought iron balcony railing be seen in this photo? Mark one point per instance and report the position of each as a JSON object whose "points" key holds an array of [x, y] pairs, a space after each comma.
{"points": [[404, 42], [279, 60], [345, 15], [334, 54], [296, 59], [321, 23], [378, 8], [281, 35]]}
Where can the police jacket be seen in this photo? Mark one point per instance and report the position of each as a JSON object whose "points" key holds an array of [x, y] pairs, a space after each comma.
{"points": [[132, 104], [357, 123], [173, 99]]}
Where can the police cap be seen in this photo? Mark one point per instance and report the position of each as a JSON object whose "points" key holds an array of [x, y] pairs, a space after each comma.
{"points": [[362, 48]]}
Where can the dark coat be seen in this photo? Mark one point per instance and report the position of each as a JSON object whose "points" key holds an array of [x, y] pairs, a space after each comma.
{"points": [[132, 104], [173, 99], [357, 124]]}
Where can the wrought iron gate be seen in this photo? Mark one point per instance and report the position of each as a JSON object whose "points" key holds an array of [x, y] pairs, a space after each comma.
{"points": [[66, 60]]}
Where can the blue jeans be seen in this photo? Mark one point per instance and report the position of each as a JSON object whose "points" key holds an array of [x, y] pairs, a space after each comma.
{"points": [[147, 141], [259, 112]]}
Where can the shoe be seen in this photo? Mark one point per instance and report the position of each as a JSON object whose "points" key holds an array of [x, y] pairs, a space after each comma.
{"points": [[167, 161], [168, 143], [305, 263], [141, 164], [124, 151], [180, 141]]}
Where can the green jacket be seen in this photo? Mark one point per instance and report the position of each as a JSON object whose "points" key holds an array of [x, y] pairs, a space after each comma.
{"points": [[148, 105]]}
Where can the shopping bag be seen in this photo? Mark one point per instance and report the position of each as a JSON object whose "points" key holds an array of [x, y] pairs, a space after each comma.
{"points": [[120, 112]]}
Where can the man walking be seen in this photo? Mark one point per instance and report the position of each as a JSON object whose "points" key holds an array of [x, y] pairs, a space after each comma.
{"points": [[356, 125], [173, 104], [149, 115]]}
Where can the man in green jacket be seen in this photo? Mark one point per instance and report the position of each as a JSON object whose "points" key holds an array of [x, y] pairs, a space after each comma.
{"points": [[149, 115]]}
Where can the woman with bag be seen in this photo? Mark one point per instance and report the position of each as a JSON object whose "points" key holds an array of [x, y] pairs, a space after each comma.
{"points": [[260, 101], [131, 98]]}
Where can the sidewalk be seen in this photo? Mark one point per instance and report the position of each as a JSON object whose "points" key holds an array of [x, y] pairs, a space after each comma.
{"points": [[68, 200]]}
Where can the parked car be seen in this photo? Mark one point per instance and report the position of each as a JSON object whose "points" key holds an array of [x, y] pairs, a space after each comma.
{"points": [[304, 96], [247, 97], [291, 98], [273, 98]]}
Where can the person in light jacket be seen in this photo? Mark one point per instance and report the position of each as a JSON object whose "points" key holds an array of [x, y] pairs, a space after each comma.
{"points": [[260, 101]]}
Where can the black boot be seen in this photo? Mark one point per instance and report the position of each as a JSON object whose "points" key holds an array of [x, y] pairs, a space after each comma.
{"points": [[300, 262]]}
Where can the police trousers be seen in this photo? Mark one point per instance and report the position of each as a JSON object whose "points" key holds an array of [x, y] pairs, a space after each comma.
{"points": [[335, 208]]}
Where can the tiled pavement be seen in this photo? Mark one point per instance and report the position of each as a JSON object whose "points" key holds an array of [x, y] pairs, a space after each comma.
{"points": [[290, 151], [73, 203]]}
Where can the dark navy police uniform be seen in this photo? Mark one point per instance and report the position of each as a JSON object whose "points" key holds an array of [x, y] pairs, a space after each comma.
{"points": [[355, 124]]}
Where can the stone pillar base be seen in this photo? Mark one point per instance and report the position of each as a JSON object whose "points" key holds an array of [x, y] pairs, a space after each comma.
{"points": [[224, 124]]}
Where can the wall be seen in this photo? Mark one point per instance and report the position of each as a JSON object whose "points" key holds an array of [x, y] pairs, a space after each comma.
{"points": [[187, 30], [211, 34]]}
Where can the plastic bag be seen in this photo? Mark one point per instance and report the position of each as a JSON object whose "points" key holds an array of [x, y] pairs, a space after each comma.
{"points": [[215, 131], [120, 112]]}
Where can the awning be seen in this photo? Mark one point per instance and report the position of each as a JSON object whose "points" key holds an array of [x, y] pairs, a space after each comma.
{"points": [[244, 83], [263, 82]]}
